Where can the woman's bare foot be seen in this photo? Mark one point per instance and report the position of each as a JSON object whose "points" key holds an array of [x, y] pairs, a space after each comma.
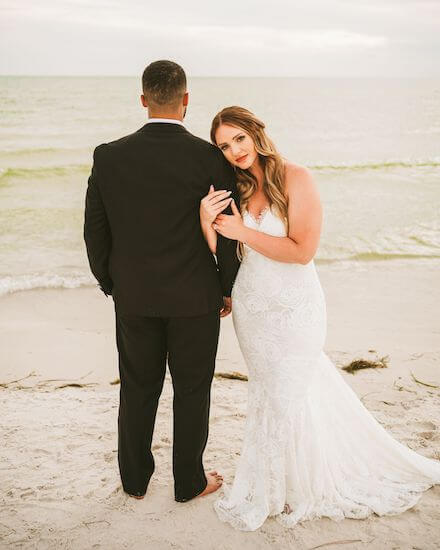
{"points": [[215, 481]]}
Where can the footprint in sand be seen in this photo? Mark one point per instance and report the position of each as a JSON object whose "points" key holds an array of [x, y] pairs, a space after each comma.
{"points": [[427, 435], [425, 426], [426, 431], [164, 442]]}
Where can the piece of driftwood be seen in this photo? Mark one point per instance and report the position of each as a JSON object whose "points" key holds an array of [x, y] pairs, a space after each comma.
{"points": [[423, 383], [231, 375], [64, 379], [359, 364], [44, 383], [6, 384]]}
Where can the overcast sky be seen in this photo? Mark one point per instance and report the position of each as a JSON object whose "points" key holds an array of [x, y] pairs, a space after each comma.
{"points": [[221, 37]]}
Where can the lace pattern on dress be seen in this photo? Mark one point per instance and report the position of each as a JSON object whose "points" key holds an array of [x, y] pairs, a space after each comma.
{"points": [[310, 447]]}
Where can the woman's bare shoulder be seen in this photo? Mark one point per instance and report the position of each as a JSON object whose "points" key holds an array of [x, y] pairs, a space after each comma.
{"points": [[298, 178]]}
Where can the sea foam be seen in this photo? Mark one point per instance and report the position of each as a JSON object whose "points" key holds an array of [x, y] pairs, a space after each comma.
{"points": [[10, 284]]}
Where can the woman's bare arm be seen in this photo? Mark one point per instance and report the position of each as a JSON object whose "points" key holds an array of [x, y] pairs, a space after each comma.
{"points": [[304, 216]]}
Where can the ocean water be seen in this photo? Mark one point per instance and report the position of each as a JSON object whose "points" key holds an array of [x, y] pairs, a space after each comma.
{"points": [[373, 146]]}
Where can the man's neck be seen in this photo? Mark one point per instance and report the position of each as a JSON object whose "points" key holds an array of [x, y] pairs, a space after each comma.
{"points": [[174, 116]]}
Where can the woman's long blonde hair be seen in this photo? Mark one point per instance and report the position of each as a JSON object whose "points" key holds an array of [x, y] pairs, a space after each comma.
{"points": [[270, 159]]}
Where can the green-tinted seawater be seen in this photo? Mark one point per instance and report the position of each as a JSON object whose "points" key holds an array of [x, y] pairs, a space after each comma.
{"points": [[372, 144]]}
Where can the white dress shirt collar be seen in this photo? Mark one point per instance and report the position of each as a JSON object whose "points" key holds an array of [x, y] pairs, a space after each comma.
{"points": [[169, 120]]}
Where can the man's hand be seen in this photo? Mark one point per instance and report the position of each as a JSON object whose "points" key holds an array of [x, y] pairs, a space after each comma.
{"points": [[227, 306]]}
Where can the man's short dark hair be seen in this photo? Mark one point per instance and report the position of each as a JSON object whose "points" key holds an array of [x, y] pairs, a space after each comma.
{"points": [[164, 82]]}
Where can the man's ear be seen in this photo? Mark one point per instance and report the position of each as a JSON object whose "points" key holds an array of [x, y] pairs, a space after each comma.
{"points": [[185, 99], [144, 101]]}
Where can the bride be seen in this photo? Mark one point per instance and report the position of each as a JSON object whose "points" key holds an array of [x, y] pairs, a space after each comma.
{"points": [[310, 448]]}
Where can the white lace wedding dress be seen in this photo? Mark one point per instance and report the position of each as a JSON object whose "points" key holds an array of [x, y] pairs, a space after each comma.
{"points": [[310, 447]]}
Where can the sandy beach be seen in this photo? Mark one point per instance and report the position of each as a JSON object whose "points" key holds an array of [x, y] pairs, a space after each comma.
{"points": [[59, 474]]}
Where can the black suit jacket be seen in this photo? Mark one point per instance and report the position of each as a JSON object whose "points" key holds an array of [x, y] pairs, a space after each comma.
{"points": [[142, 229]]}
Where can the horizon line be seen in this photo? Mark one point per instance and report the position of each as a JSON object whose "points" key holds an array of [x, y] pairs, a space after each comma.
{"points": [[216, 76]]}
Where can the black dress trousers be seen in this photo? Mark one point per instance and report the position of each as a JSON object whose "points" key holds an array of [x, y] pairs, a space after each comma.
{"points": [[146, 248], [144, 345]]}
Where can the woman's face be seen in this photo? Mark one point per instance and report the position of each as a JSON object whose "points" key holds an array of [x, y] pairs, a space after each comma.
{"points": [[237, 146]]}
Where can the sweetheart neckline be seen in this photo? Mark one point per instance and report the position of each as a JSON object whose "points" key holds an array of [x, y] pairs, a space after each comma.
{"points": [[260, 216]]}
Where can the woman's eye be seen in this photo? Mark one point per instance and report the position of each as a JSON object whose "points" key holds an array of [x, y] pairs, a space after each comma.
{"points": [[240, 138], [223, 148]]}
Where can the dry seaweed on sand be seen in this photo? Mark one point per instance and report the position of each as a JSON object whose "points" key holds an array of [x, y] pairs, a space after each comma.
{"points": [[6, 384], [423, 383], [46, 383], [359, 364], [76, 385], [231, 375], [351, 541]]}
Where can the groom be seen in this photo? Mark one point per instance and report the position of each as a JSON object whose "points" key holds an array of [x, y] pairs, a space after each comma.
{"points": [[146, 248]]}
